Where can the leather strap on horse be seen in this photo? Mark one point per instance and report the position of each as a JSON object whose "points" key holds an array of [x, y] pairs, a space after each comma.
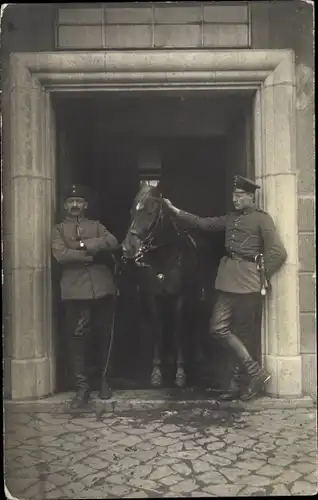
{"points": [[187, 237], [111, 339]]}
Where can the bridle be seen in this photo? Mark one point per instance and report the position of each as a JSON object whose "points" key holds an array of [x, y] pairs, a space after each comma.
{"points": [[146, 244]]}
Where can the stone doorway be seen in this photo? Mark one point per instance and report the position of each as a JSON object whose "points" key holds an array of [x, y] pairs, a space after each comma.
{"points": [[30, 187], [101, 140]]}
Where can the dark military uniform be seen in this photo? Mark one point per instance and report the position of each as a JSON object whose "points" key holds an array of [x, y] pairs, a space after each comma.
{"points": [[239, 303], [87, 290]]}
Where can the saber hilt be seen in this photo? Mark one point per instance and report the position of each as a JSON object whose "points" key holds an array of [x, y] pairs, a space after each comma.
{"points": [[259, 259]]}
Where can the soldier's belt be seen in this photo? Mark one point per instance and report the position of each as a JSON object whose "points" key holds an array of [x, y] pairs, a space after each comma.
{"points": [[236, 256]]}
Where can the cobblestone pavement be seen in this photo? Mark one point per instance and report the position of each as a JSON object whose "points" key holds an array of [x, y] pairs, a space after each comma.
{"points": [[156, 453]]}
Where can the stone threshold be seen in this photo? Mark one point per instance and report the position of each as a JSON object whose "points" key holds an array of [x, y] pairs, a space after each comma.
{"points": [[162, 399]]}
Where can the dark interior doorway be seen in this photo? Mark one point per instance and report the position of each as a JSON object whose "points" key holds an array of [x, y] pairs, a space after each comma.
{"points": [[201, 193], [194, 175]]}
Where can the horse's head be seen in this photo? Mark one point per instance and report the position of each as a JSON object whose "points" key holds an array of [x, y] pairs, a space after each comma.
{"points": [[145, 213]]}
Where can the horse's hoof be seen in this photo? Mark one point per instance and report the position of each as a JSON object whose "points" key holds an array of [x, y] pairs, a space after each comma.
{"points": [[156, 378], [180, 379], [99, 411], [105, 391]]}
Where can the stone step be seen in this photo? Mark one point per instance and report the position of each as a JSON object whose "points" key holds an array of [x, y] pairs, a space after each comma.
{"points": [[163, 399]]}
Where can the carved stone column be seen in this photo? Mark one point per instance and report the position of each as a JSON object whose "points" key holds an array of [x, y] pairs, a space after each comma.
{"points": [[31, 191], [6, 231], [275, 169]]}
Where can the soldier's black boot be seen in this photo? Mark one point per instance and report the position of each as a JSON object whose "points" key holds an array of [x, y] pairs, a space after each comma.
{"points": [[79, 366], [105, 390], [258, 377], [234, 391]]}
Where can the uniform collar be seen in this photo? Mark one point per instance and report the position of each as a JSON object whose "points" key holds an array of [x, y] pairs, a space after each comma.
{"points": [[73, 219], [248, 210]]}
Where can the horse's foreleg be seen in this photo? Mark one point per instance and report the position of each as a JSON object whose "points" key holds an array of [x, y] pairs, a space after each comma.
{"points": [[180, 379], [156, 374], [197, 342]]}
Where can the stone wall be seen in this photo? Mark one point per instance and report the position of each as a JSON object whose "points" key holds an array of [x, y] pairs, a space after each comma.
{"points": [[24, 28], [289, 25], [306, 195]]}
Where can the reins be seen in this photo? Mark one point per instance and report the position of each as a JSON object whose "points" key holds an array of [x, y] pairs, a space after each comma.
{"points": [[145, 246]]}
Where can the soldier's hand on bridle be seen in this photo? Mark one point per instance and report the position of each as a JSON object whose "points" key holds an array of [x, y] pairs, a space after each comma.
{"points": [[170, 205]]}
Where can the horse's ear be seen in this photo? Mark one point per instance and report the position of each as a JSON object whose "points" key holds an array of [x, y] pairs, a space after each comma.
{"points": [[158, 189]]}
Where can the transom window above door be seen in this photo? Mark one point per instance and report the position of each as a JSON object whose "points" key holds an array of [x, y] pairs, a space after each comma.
{"points": [[153, 25]]}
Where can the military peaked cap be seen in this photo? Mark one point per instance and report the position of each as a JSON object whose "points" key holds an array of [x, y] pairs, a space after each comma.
{"points": [[77, 191], [245, 184]]}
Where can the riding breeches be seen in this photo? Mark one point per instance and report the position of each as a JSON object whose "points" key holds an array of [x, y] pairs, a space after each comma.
{"points": [[88, 326], [238, 314]]}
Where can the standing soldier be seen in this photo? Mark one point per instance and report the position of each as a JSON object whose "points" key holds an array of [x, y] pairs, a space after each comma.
{"points": [[87, 289], [254, 252]]}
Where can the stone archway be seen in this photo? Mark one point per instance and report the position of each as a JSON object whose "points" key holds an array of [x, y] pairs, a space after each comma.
{"points": [[29, 186]]}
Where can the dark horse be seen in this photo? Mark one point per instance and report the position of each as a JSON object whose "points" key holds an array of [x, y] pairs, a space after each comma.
{"points": [[162, 258]]}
